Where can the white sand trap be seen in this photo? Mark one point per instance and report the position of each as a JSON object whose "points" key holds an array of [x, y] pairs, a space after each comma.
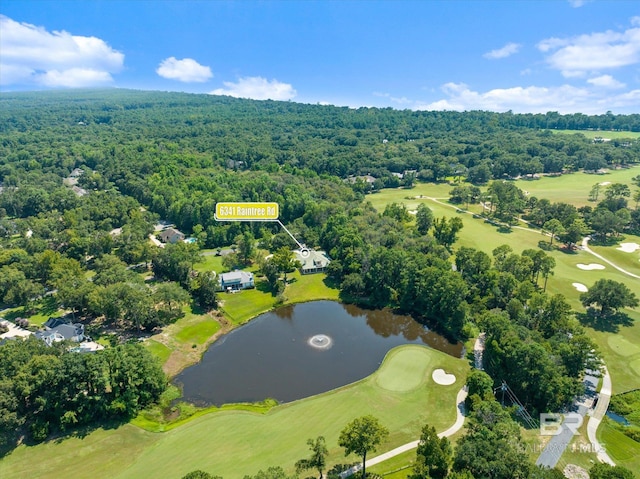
{"points": [[442, 378], [628, 247], [589, 267], [605, 183], [580, 287]]}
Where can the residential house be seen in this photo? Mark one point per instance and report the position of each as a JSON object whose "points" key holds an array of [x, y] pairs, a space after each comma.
{"points": [[171, 235], [236, 280], [59, 329], [314, 262]]}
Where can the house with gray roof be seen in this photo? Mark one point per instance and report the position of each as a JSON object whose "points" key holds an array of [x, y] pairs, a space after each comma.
{"points": [[313, 262], [171, 235], [236, 281], [59, 329]]}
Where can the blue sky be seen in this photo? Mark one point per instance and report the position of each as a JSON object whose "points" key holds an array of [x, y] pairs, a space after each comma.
{"points": [[525, 56]]}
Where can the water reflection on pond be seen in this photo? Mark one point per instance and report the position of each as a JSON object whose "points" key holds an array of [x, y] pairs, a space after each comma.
{"points": [[301, 350]]}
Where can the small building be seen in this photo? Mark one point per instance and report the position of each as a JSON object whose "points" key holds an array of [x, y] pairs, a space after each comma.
{"points": [[315, 262], [171, 235], [236, 281]]}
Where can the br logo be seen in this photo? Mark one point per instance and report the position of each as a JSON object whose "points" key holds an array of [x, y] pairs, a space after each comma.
{"points": [[552, 424]]}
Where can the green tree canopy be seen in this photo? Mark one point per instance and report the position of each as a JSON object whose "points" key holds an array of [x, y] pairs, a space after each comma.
{"points": [[318, 459], [361, 436], [609, 296], [433, 456]]}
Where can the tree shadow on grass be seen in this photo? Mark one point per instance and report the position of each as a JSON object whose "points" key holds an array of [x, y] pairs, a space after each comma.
{"points": [[265, 287], [567, 250], [197, 309], [9, 440], [48, 306], [609, 323], [331, 283]]}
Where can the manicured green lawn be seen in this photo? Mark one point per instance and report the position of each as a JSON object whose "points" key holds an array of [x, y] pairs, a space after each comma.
{"points": [[623, 450], [241, 307], [574, 188], [159, 350], [235, 443], [198, 333], [628, 261], [210, 262], [398, 467], [407, 196], [309, 287]]}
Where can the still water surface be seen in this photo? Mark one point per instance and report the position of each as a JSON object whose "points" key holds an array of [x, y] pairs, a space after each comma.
{"points": [[301, 350]]}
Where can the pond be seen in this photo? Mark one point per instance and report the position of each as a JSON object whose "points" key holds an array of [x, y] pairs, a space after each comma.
{"points": [[301, 350]]}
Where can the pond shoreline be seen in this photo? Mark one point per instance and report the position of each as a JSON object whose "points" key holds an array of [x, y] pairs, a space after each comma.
{"points": [[271, 356]]}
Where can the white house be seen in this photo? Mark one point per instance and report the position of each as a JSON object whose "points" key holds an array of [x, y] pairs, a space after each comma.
{"points": [[315, 262], [236, 280]]}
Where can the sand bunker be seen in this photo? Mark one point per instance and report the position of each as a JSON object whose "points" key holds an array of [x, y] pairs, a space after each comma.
{"points": [[605, 183], [442, 378], [628, 247], [580, 287], [589, 267]]}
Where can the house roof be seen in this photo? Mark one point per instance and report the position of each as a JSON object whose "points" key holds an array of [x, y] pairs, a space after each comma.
{"points": [[55, 322], [170, 233], [315, 260], [60, 332], [234, 277]]}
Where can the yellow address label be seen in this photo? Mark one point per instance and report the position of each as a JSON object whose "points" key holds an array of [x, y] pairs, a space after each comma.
{"points": [[247, 211]]}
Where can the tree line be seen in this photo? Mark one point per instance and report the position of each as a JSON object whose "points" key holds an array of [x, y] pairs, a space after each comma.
{"points": [[46, 390]]}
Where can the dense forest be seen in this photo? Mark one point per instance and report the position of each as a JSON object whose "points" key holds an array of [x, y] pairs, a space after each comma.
{"points": [[141, 157]]}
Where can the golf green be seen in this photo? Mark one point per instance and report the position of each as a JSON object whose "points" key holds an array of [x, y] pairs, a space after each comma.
{"points": [[404, 369]]}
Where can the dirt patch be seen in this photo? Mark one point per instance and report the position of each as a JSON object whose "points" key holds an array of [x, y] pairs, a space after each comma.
{"points": [[571, 471]]}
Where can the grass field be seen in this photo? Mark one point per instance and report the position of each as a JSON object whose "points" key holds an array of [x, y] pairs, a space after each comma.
{"points": [[198, 333], [398, 467], [628, 261], [210, 262], [235, 443], [623, 450], [575, 187], [591, 134]]}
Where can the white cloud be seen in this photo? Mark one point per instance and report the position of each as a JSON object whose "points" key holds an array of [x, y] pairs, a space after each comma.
{"points": [[186, 70], [504, 52], [533, 99], [257, 88], [605, 81], [74, 78], [593, 52], [32, 55]]}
